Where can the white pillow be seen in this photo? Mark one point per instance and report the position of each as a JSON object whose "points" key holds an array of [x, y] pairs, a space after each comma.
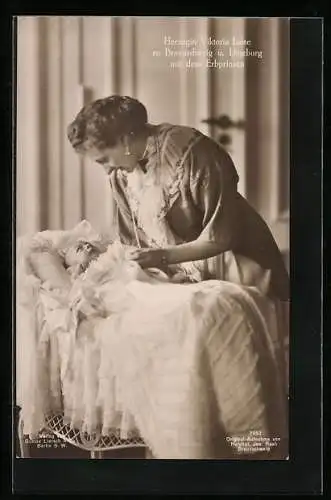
{"points": [[48, 267], [63, 238]]}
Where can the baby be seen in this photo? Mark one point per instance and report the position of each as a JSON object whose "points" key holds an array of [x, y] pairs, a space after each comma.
{"points": [[78, 257], [89, 290], [60, 268]]}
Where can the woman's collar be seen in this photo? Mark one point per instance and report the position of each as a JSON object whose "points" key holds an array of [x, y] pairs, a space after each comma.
{"points": [[150, 150]]}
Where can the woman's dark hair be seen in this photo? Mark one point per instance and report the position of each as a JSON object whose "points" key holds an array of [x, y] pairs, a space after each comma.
{"points": [[103, 122]]}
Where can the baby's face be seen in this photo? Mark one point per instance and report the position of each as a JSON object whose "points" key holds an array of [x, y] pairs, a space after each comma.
{"points": [[81, 254]]}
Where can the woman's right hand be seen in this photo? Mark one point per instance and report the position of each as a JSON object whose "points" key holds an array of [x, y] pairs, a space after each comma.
{"points": [[149, 257]]}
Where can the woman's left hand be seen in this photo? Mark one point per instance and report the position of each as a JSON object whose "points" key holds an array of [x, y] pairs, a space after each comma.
{"points": [[149, 257]]}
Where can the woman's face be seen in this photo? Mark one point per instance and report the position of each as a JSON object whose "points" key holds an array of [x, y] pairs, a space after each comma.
{"points": [[113, 158]]}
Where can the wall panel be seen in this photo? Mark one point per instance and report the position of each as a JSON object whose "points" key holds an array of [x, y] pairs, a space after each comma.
{"points": [[55, 133], [72, 100], [98, 80], [267, 97], [28, 165]]}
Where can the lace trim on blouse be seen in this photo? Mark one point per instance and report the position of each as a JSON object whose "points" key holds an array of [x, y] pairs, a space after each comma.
{"points": [[152, 194]]}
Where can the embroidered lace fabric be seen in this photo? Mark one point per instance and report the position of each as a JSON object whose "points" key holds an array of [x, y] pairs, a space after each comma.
{"points": [[152, 194]]}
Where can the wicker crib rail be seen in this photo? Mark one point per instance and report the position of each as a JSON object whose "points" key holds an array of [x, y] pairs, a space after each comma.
{"points": [[95, 443]]}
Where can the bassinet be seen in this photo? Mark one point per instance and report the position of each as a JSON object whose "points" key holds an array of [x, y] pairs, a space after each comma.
{"points": [[245, 345]]}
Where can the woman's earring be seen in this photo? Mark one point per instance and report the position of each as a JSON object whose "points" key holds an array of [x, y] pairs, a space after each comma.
{"points": [[127, 151]]}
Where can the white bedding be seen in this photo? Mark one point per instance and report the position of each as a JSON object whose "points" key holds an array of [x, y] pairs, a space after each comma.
{"points": [[182, 363]]}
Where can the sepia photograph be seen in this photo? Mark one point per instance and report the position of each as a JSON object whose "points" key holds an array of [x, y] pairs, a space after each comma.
{"points": [[152, 238]]}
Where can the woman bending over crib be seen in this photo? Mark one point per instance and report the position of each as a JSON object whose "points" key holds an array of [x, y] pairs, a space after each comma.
{"points": [[176, 197]]}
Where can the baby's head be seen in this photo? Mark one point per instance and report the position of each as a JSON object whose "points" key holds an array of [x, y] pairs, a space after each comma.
{"points": [[78, 256]]}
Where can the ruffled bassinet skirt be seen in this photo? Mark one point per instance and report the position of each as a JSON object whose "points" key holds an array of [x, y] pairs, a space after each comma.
{"points": [[183, 364], [180, 363]]}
